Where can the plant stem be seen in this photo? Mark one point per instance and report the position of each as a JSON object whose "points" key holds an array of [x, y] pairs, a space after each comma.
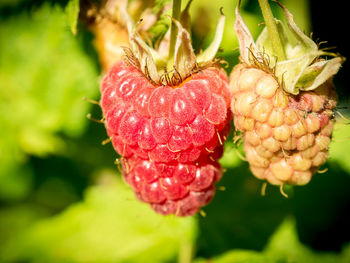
{"points": [[186, 252], [173, 31], [272, 29]]}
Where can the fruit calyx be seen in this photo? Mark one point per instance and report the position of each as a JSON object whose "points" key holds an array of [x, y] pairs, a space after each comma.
{"points": [[304, 67], [158, 65]]}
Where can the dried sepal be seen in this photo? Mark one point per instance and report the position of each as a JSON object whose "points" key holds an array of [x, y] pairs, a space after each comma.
{"points": [[143, 54], [185, 59], [245, 38], [185, 18]]}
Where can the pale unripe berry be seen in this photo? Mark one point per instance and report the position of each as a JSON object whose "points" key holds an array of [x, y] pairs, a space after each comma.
{"points": [[286, 137]]}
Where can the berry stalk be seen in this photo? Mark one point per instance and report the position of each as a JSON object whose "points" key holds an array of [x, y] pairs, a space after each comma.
{"points": [[270, 23], [173, 31]]}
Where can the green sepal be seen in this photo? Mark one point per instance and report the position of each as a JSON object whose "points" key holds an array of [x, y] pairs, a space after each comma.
{"points": [[303, 69], [290, 71], [213, 48], [157, 64], [318, 73]]}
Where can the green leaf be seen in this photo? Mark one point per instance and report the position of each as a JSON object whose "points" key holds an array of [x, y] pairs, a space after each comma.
{"points": [[110, 225], [72, 11], [16, 218]]}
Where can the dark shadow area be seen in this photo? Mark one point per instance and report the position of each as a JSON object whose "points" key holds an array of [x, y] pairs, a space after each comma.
{"points": [[240, 217], [86, 39], [8, 8], [59, 182], [89, 151], [330, 23], [322, 210]]}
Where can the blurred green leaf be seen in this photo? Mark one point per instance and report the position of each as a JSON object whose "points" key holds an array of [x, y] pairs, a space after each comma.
{"points": [[109, 226], [45, 73], [14, 219], [72, 10], [240, 256], [16, 181], [159, 5], [339, 148], [239, 217], [284, 246], [161, 26]]}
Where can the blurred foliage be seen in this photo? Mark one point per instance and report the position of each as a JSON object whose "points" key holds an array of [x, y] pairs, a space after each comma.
{"points": [[341, 137], [109, 226], [62, 198], [45, 74], [283, 246]]}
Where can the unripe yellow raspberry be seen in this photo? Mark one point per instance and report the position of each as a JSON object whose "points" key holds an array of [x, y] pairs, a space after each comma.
{"points": [[286, 137], [283, 101]]}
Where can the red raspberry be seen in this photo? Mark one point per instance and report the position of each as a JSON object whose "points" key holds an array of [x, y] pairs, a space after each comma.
{"points": [[170, 137], [174, 188], [168, 123], [164, 123]]}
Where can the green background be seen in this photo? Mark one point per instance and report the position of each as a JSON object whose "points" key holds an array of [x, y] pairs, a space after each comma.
{"points": [[62, 198]]}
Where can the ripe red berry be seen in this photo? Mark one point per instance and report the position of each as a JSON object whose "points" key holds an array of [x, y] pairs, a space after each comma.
{"points": [[167, 114], [164, 123], [170, 137], [174, 188]]}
